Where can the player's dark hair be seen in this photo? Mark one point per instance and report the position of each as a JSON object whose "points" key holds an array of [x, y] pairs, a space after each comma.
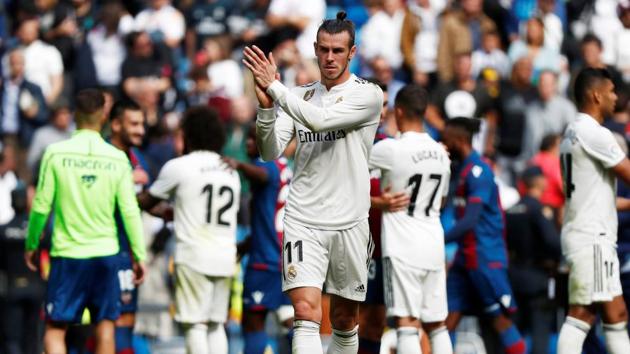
{"points": [[586, 79], [378, 83], [412, 99], [338, 25], [119, 108], [466, 126], [202, 130], [549, 141], [591, 38], [531, 175], [89, 105]]}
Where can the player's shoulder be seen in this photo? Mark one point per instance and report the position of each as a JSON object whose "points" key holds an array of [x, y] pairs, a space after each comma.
{"points": [[386, 144], [364, 84], [479, 169]]}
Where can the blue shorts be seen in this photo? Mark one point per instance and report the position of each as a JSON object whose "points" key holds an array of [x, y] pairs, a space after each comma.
{"points": [[76, 284], [128, 290], [263, 290], [374, 295], [486, 289]]}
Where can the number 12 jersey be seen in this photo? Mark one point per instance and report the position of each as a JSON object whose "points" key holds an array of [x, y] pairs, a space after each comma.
{"points": [[588, 152], [207, 194], [417, 164]]}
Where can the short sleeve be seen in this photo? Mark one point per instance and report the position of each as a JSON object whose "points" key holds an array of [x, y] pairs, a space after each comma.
{"points": [[166, 182], [480, 184], [446, 179], [601, 145], [381, 155]]}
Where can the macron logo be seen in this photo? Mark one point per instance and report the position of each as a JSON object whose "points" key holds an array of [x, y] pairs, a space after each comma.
{"points": [[476, 171], [506, 300], [258, 296]]}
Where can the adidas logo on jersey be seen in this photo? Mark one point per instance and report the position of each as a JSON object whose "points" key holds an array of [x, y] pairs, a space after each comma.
{"points": [[360, 288]]}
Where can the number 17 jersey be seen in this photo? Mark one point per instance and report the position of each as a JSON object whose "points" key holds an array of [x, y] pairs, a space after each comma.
{"points": [[206, 193], [588, 152], [418, 165]]}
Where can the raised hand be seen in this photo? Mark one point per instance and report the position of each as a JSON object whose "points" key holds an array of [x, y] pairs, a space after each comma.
{"points": [[263, 68]]}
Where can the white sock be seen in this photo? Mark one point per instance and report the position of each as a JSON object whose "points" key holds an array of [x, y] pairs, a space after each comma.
{"points": [[306, 338], [344, 342], [441, 341], [408, 341], [617, 340], [572, 336], [196, 340], [217, 339]]}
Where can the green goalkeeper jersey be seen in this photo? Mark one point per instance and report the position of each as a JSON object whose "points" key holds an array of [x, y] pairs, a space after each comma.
{"points": [[84, 180]]}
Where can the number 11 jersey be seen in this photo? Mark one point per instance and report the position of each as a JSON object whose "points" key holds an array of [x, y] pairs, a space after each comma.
{"points": [[417, 164], [588, 152], [206, 193]]}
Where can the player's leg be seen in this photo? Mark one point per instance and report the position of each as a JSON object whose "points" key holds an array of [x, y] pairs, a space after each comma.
{"points": [[615, 317], [254, 334], [350, 252], [285, 316], [128, 305], [218, 311], [304, 265], [307, 306], [104, 333], [372, 318], [493, 287], [582, 313], [458, 288], [55, 338], [434, 311], [344, 317]]}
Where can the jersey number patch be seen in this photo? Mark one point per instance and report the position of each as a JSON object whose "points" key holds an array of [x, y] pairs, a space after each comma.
{"points": [[209, 188], [416, 181]]}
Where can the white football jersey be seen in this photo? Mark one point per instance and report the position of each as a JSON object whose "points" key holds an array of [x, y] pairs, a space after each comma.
{"points": [[417, 164], [335, 131], [587, 153], [206, 194]]}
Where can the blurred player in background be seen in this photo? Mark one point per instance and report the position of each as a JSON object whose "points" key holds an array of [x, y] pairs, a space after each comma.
{"points": [[262, 285], [127, 126], [326, 240], [478, 277], [85, 180], [413, 238], [206, 194], [591, 159]]}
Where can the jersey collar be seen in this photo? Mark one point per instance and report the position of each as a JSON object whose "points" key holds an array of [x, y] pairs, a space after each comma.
{"points": [[340, 86], [87, 133]]}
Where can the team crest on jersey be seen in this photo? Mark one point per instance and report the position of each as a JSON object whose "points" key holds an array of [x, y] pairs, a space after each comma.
{"points": [[88, 180], [309, 94], [291, 272]]}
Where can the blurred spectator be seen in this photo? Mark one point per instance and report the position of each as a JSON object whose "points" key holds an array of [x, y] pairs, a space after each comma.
{"points": [[384, 73], [23, 109], [490, 55], [8, 182], [554, 33], [224, 72], [622, 38], [59, 128], [542, 58], [548, 160], [22, 328], [380, 36], [200, 92], [548, 114], [601, 18], [460, 97], [591, 51], [206, 19], [419, 40], [58, 27], [107, 45], [43, 64], [146, 74], [305, 16], [164, 23], [461, 32], [86, 15], [534, 249], [514, 98], [248, 24]]}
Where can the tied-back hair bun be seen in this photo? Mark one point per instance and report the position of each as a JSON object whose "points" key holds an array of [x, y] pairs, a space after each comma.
{"points": [[341, 15]]}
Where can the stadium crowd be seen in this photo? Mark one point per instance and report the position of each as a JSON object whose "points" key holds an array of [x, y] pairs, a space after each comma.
{"points": [[509, 63]]}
